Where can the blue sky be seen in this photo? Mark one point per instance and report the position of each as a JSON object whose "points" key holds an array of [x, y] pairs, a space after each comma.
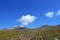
{"points": [[46, 11]]}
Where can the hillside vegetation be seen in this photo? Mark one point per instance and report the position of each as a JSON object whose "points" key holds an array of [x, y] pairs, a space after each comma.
{"points": [[44, 33]]}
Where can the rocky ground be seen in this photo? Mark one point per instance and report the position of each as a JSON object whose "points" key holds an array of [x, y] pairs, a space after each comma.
{"points": [[43, 33]]}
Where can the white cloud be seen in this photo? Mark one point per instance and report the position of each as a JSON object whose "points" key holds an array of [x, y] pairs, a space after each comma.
{"points": [[27, 19], [58, 13], [49, 14]]}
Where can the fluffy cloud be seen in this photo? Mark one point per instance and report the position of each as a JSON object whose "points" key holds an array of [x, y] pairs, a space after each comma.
{"points": [[49, 14], [27, 19]]}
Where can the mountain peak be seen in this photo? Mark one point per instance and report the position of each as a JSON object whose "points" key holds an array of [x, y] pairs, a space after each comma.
{"points": [[17, 28]]}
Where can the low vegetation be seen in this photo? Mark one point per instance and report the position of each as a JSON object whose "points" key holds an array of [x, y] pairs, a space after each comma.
{"points": [[32, 34]]}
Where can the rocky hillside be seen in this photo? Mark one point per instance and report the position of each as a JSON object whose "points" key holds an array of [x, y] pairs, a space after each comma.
{"points": [[45, 32]]}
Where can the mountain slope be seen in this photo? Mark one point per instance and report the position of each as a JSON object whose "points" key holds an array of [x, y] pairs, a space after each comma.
{"points": [[16, 28], [45, 32]]}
